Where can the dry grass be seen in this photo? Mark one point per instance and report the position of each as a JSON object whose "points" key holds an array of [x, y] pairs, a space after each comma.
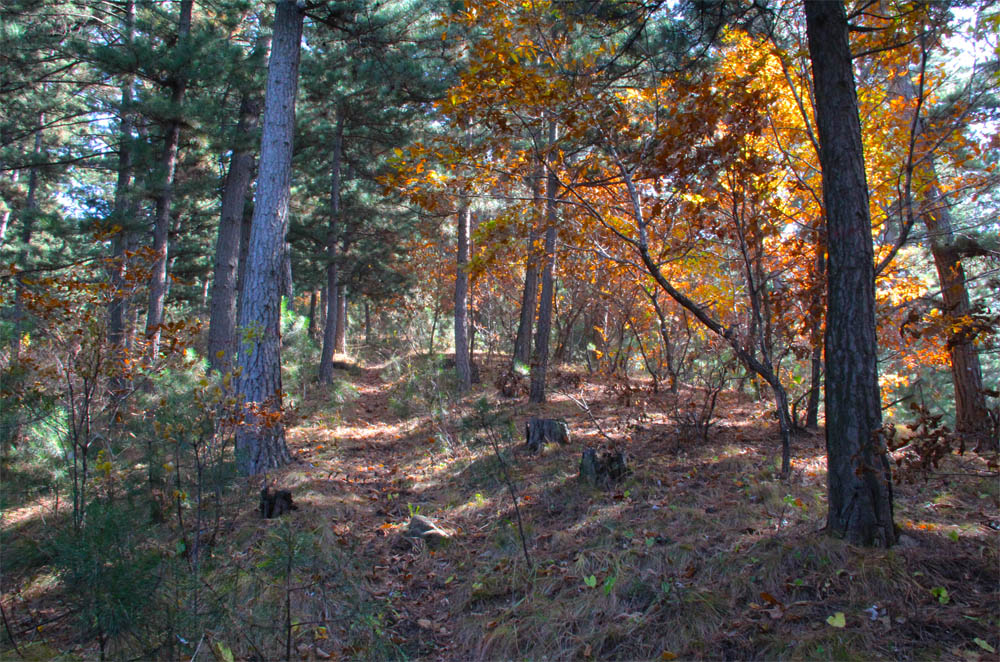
{"points": [[702, 553]]}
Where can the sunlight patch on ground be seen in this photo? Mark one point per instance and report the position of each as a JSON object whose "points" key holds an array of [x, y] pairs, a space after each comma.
{"points": [[36, 510]]}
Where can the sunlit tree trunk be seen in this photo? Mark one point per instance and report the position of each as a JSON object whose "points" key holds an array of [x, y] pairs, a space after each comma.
{"points": [[971, 415], [860, 487], [462, 300], [260, 441]]}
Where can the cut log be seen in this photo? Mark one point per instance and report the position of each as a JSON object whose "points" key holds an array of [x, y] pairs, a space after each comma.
{"points": [[604, 470], [541, 431]]}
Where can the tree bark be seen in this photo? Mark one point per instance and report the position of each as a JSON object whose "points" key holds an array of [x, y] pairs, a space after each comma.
{"points": [[341, 335], [971, 414], [123, 205], [311, 326], [816, 336], [165, 193], [529, 298], [368, 324], [330, 329], [540, 360], [860, 486], [260, 441], [287, 280], [222, 316], [462, 300]]}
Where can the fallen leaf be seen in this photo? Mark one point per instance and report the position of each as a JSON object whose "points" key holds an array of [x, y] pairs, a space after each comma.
{"points": [[837, 620], [985, 646], [425, 624], [667, 655]]}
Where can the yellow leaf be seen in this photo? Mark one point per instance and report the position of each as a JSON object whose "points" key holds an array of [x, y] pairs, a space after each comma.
{"points": [[837, 620], [667, 655]]}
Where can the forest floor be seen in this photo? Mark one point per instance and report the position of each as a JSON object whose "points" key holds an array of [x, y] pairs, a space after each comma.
{"points": [[701, 552]]}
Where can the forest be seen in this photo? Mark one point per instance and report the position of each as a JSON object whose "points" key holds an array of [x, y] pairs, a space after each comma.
{"points": [[499, 329]]}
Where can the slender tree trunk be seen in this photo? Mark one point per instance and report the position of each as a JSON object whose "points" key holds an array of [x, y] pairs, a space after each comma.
{"points": [[27, 218], [529, 298], [165, 194], [312, 315], [324, 303], [540, 360], [462, 301], [222, 316], [287, 282], [368, 324], [341, 337], [124, 204], [260, 441], [815, 384], [860, 485], [816, 336], [434, 324], [330, 330]]}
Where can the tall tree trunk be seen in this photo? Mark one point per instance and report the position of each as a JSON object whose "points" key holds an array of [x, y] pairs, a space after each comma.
{"points": [[860, 483], [222, 316], [462, 300], [123, 205], [529, 297], [540, 360], [241, 271], [165, 192], [971, 415], [260, 441], [330, 330]]}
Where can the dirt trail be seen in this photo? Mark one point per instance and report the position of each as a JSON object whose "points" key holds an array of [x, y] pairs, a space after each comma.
{"points": [[372, 472]]}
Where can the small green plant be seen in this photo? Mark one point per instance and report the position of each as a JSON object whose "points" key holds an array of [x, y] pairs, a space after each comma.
{"points": [[941, 593], [413, 509], [609, 584], [590, 581]]}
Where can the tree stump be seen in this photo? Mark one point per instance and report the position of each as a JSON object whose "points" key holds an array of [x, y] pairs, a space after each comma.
{"points": [[540, 431], [511, 385], [275, 503], [603, 471], [427, 530]]}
